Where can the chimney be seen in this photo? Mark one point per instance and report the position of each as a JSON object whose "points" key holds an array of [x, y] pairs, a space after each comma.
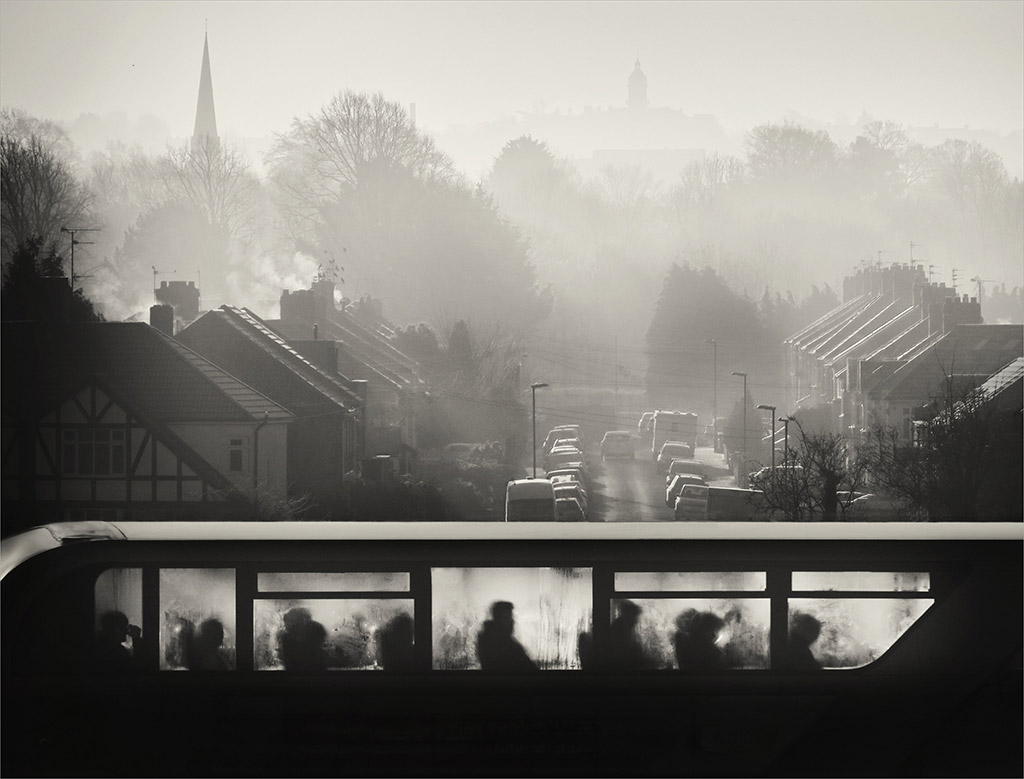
{"points": [[161, 317], [960, 311]]}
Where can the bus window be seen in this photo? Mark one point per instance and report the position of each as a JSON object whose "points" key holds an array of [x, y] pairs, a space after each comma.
{"points": [[325, 634], [551, 608], [841, 627], [355, 581], [702, 634], [117, 596], [197, 619], [689, 580], [705, 621]]}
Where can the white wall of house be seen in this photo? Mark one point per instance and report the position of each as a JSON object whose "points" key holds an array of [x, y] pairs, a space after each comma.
{"points": [[216, 442]]}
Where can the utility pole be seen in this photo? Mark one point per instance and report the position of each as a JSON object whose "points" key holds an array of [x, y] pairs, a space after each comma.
{"points": [[766, 407], [714, 391], [533, 392], [744, 375], [615, 364], [75, 242]]}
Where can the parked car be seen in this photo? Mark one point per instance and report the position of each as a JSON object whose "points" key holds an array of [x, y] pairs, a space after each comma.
{"points": [[692, 502], [562, 455], [568, 478], [568, 509], [571, 490], [618, 443], [673, 450], [871, 507], [529, 500], [683, 465], [576, 470], [561, 431], [677, 484]]}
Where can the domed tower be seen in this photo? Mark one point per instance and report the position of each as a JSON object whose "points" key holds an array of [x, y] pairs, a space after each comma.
{"points": [[637, 87]]}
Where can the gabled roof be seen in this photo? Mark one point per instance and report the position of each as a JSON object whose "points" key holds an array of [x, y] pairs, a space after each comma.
{"points": [[158, 376], [828, 320], [246, 345], [843, 331], [873, 331], [966, 350]]}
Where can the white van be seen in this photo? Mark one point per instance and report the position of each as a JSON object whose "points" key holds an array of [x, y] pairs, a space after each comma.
{"points": [[530, 500]]}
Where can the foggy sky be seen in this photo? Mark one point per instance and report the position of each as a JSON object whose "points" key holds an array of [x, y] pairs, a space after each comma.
{"points": [[920, 63]]}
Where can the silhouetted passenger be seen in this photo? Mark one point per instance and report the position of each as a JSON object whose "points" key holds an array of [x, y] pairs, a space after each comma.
{"points": [[111, 655], [205, 653], [696, 639], [178, 646], [803, 632], [496, 649], [397, 652], [301, 643], [625, 651]]}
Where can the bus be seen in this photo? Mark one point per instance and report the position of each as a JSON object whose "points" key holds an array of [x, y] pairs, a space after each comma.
{"points": [[673, 426], [356, 649]]}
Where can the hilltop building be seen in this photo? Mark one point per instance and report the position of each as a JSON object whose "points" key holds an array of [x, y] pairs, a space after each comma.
{"points": [[637, 87]]}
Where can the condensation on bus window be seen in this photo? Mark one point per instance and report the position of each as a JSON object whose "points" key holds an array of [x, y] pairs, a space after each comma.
{"points": [[119, 589], [853, 632], [551, 608], [681, 581], [314, 635], [352, 581], [862, 581], [699, 634], [197, 619]]}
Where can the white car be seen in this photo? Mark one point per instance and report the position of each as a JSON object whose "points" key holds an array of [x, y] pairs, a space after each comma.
{"points": [[618, 443]]}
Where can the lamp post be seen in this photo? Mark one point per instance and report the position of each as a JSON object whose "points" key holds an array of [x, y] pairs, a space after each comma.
{"points": [[744, 375], [533, 393], [766, 407], [714, 392], [785, 441]]}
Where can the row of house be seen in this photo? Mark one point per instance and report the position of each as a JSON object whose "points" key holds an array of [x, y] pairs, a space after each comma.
{"points": [[896, 345], [224, 416]]}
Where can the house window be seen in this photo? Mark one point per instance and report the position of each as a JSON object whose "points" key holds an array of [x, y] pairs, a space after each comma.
{"points": [[93, 451], [235, 454]]}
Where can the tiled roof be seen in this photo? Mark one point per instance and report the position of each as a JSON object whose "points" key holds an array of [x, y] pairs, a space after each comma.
{"points": [[967, 350], [825, 322], [243, 342], [876, 331], [162, 378]]}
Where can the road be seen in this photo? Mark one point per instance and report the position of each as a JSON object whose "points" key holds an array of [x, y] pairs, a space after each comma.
{"points": [[634, 490]]}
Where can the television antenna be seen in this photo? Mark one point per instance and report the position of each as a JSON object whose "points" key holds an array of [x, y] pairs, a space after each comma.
{"points": [[75, 242], [161, 273], [979, 281]]}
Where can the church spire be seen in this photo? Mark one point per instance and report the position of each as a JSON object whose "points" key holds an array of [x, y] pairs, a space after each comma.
{"points": [[206, 117]]}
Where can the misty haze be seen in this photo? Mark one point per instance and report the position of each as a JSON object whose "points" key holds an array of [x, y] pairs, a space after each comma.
{"points": [[364, 278]]}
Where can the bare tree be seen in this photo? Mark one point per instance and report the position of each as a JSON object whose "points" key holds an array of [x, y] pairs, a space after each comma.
{"points": [[39, 194], [215, 178], [827, 479], [965, 463]]}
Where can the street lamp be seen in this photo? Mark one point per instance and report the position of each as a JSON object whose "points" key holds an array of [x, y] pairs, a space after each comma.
{"points": [[714, 392], [785, 441], [533, 393], [766, 407], [744, 375]]}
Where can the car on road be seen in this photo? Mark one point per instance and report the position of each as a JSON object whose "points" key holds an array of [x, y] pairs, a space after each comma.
{"points": [[569, 509], [673, 450], [571, 490], [676, 485], [618, 443], [562, 455], [561, 431], [692, 502], [529, 500], [576, 470], [684, 465]]}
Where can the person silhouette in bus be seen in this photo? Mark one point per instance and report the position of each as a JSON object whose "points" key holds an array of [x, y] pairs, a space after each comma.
{"points": [[300, 644], [205, 651], [803, 632], [496, 648], [111, 655], [625, 650], [696, 641], [397, 651]]}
